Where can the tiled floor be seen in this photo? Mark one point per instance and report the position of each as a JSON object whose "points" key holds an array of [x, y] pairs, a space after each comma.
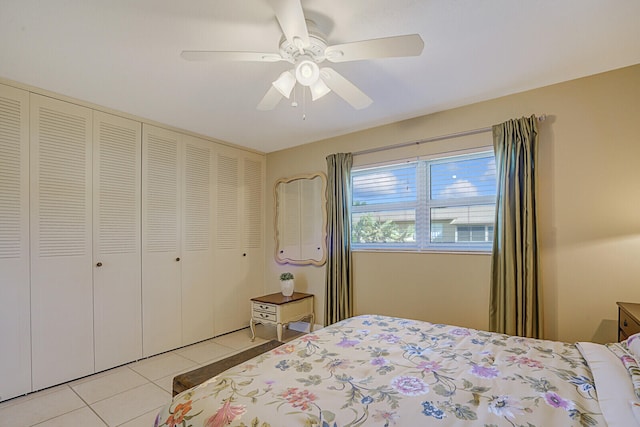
{"points": [[127, 396]]}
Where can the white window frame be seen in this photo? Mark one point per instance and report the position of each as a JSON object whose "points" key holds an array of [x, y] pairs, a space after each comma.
{"points": [[424, 204]]}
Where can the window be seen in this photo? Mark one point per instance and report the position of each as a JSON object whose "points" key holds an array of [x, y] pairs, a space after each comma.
{"points": [[446, 203]]}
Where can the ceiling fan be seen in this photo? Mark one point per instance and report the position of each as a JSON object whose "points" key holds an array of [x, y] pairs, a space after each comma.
{"points": [[304, 46]]}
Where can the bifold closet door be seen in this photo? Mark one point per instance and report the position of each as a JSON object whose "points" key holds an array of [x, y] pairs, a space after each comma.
{"points": [[161, 220], [15, 328], [253, 179], [61, 241], [229, 258], [239, 246], [116, 240], [198, 281]]}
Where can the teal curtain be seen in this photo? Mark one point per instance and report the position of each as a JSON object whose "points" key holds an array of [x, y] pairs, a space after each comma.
{"points": [[515, 301], [338, 289]]}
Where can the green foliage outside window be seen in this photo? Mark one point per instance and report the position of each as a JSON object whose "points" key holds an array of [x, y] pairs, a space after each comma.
{"points": [[370, 230]]}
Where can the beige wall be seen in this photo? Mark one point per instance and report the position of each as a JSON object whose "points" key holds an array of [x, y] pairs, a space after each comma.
{"points": [[589, 212]]}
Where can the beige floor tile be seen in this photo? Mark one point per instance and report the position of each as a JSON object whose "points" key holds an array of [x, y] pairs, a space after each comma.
{"points": [[205, 351], [166, 383], [269, 332], [160, 366], [131, 404], [22, 399], [39, 407], [94, 376], [240, 339], [84, 417], [211, 351], [105, 386], [145, 420]]}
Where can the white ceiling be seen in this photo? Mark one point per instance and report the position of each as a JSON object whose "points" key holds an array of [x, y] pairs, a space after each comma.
{"points": [[125, 55]]}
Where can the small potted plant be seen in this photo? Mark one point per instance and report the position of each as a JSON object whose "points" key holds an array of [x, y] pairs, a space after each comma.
{"points": [[286, 284]]}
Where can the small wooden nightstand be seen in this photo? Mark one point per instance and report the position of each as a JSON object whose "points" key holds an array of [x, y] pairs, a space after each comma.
{"points": [[628, 320], [279, 310]]}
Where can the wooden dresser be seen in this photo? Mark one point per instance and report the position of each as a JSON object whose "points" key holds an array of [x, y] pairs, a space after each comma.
{"points": [[628, 319]]}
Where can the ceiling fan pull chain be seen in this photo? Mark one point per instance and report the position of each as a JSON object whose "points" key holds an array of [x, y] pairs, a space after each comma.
{"points": [[294, 103], [304, 104]]}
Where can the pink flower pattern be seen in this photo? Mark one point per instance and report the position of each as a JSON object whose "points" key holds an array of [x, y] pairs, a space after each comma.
{"points": [[225, 415], [410, 386], [299, 399], [397, 373]]}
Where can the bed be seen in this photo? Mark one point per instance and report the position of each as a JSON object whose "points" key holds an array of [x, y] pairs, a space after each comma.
{"points": [[376, 370]]}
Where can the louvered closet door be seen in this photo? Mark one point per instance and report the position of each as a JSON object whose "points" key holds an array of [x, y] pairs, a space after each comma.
{"points": [[161, 265], [15, 333], [239, 254], [228, 250], [61, 264], [197, 245], [116, 240], [253, 179]]}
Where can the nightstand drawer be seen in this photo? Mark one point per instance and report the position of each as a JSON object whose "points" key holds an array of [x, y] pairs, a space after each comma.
{"points": [[260, 315], [266, 308], [628, 325]]}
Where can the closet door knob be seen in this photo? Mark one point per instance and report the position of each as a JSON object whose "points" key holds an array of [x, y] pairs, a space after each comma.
{"points": [[178, 259], [99, 264]]}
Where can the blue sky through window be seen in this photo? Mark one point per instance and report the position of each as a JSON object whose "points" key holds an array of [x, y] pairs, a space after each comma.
{"points": [[451, 179], [385, 185], [464, 178]]}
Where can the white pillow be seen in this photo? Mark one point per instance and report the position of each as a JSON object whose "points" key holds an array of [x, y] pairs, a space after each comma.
{"points": [[633, 344], [629, 361]]}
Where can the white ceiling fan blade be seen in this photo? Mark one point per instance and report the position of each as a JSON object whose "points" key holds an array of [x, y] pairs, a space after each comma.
{"points": [[291, 19], [386, 47], [208, 55], [344, 88], [270, 99]]}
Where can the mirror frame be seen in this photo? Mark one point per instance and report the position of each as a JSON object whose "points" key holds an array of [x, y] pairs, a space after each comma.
{"points": [[323, 201]]}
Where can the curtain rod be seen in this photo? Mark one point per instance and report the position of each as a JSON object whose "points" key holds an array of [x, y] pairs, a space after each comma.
{"points": [[541, 118]]}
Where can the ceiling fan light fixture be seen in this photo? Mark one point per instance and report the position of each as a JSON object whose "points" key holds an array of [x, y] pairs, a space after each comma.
{"points": [[285, 83], [307, 72], [305, 46], [319, 89]]}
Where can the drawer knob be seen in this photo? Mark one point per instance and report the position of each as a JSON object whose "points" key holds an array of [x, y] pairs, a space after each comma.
{"points": [[625, 322]]}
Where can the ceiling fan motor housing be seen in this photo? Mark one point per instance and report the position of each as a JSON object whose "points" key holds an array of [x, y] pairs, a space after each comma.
{"points": [[314, 51]]}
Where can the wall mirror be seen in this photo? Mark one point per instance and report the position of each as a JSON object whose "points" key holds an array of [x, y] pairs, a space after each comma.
{"points": [[301, 219]]}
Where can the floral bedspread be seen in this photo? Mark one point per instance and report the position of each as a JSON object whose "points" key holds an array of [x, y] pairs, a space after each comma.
{"points": [[384, 371]]}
